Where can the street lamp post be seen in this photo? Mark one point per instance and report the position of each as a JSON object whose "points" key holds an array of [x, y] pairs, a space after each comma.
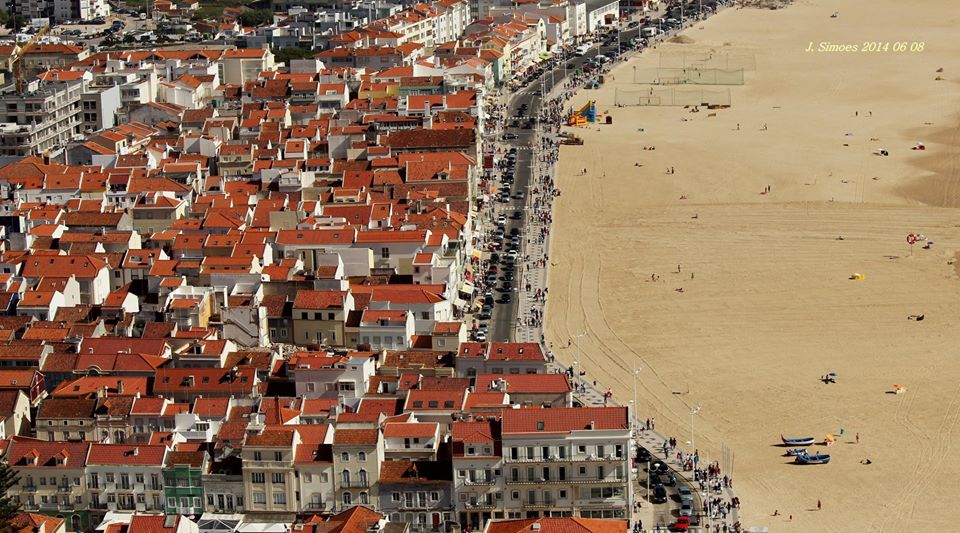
{"points": [[577, 337], [636, 375], [693, 441]]}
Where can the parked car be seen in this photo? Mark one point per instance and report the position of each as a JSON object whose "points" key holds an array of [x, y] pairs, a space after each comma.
{"points": [[686, 494], [643, 455], [659, 494], [510, 136], [516, 215], [682, 524], [686, 509]]}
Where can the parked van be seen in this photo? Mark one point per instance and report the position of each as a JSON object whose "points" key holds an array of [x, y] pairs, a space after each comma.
{"points": [[650, 31], [583, 49]]}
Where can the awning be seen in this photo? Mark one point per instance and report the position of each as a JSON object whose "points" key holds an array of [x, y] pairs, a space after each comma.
{"points": [[467, 287], [477, 253], [459, 302]]}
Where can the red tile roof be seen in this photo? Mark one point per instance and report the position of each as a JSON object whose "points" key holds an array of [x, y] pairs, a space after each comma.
{"points": [[359, 437], [558, 525], [127, 454], [564, 420], [525, 383], [411, 430]]}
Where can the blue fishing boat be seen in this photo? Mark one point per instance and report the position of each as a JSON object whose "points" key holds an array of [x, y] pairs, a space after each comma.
{"points": [[815, 459], [805, 441]]}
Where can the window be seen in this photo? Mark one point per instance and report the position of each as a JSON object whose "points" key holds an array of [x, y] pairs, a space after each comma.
{"points": [[515, 495], [345, 456], [434, 496], [425, 315], [361, 456], [278, 477], [347, 498], [172, 502], [257, 456], [257, 477], [260, 498], [364, 499], [279, 498], [278, 456], [385, 253], [395, 497]]}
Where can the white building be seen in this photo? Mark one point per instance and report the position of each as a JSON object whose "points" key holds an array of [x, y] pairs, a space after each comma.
{"points": [[573, 459]]}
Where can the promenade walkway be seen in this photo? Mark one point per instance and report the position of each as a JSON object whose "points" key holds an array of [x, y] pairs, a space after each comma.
{"points": [[716, 500]]}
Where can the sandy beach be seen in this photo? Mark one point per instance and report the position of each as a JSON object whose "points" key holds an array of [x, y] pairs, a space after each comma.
{"points": [[767, 305]]}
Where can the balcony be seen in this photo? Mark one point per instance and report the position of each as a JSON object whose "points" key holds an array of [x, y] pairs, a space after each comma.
{"points": [[29, 488], [480, 505], [556, 459], [314, 506], [355, 484], [479, 482], [539, 504], [564, 481], [64, 488]]}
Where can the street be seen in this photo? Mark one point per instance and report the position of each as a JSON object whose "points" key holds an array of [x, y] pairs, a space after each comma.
{"points": [[504, 315]]}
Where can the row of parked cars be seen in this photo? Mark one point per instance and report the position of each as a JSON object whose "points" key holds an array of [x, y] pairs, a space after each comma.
{"points": [[500, 277], [661, 477]]}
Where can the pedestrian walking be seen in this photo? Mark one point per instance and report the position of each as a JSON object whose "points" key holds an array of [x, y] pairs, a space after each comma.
{"points": [[819, 505]]}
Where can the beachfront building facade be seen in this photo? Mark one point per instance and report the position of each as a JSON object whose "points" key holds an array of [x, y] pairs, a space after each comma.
{"points": [[569, 460], [478, 481]]}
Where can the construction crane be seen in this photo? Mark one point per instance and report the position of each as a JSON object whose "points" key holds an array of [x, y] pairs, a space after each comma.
{"points": [[18, 56]]}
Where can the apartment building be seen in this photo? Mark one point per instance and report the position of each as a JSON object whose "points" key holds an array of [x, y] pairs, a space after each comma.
{"points": [[568, 460], [52, 479], [269, 480], [477, 472], [43, 119], [182, 482], [418, 493], [356, 465], [125, 477]]}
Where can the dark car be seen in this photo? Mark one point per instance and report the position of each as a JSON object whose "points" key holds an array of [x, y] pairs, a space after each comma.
{"points": [[506, 298], [667, 479], [633, 24], [516, 215], [508, 276], [510, 136], [514, 230], [643, 455], [659, 494]]}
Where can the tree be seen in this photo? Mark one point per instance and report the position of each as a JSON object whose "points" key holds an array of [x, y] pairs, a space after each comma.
{"points": [[254, 18], [8, 507], [284, 55], [5, 19]]}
